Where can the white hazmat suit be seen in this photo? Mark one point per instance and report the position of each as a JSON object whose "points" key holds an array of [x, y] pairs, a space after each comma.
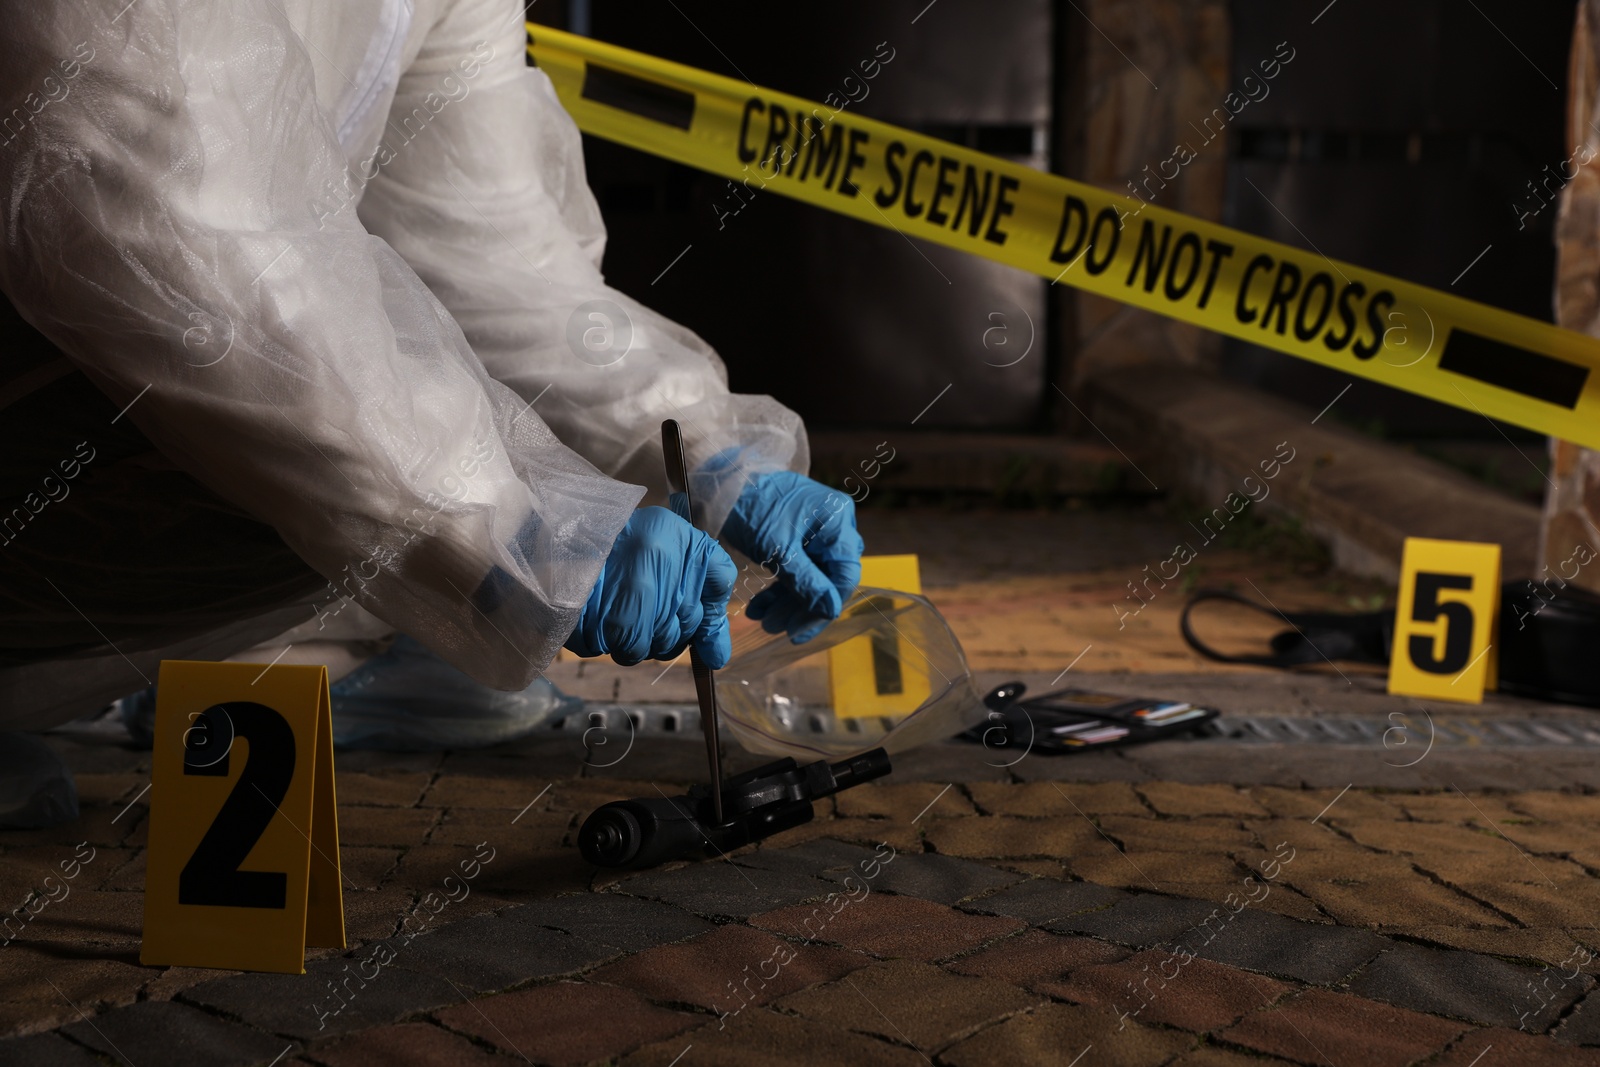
{"points": [[338, 262]]}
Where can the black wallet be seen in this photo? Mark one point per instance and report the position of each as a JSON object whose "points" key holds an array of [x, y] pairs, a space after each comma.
{"points": [[1073, 720]]}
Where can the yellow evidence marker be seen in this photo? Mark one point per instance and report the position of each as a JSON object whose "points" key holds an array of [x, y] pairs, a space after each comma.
{"points": [[877, 675], [243, 868], [1445, 621]]}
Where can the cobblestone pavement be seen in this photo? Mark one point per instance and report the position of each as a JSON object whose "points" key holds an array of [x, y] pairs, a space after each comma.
{"points": [[976, 922], [1362, 895]]}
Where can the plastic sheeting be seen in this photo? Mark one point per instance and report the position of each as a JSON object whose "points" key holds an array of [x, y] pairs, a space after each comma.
{"points": [[778, 698], [341, 264]]}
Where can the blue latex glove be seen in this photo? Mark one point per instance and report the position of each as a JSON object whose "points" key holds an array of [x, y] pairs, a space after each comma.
{"points": [[807, 533], [664, 586]]}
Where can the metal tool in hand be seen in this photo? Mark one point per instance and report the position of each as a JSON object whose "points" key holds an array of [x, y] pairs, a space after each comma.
{"points": [[704, 685]]}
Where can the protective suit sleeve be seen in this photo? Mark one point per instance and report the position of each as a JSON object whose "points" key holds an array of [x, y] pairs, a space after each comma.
{"points": [[479, 183], [164, 229]]}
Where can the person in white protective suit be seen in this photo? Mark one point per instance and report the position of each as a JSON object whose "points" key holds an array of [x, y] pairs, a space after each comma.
{"points": [[297, 301]]}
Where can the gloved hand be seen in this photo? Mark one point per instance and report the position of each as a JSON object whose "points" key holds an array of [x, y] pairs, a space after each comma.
{"points": [[664, 586], [807, 533]]}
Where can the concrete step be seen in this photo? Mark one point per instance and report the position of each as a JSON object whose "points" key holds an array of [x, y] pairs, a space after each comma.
{"points": [[1203, 437]]}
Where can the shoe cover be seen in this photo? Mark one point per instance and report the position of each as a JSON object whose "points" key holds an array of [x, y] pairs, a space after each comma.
{"points": [[36, 788], [409, 700], [138, 714], [339, 263]]}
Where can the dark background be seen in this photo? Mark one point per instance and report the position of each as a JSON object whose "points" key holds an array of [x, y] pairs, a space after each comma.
{"points": [[1401, 142]]}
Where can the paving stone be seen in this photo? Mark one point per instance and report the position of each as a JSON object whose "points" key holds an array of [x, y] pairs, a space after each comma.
{"points": [[1212, 1056], [175, 1033], [759, 1036], [1196, 761], [128, 877], [1582, 1027], [729, 968], [403, 790], [347, 761], [1317, 953], [1143, 920], [1285, 900], [1557, 807], [943, 879], [1346, 865], [1512, 1048], [374, 914], [1102, 862], [1418, 838], [20, 1017], [1533, 947], [1035, 955], [534, 873], [1468, 986], [399, 827], [367, 868], [486, 953], [1039, 901], [100, 825], [534, 829], [81, 973], [568, 1023], [903, 837], [1508, 866], [108, 871], [1318, 1026], [1140, 833], [1570, 902], [902, 801], [1303, 836], [718, 888], [910, 1002], [91, 916], [519, 869], [1104, 766], [25, 869], [1399, 906], [629, 923], [1452, 807], [168, 982], [1161, 987], [405, 1045], [817, 858], [890, 926], [1177, 798], [1035, 799], [1035, 868], [1002, 837], [306, 1006], [1307, 804], [1057, 1033], [454, 789], [45, 1050]]}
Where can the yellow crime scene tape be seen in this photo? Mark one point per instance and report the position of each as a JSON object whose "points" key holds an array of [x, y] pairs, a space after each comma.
{"points": [[1407, 336]]}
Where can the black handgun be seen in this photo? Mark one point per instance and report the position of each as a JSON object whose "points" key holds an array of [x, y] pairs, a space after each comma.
{"points": [[647, 831]]}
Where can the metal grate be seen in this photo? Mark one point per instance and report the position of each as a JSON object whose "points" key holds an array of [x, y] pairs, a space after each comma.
{"points": [[1410, 728], [1401, 729]]}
